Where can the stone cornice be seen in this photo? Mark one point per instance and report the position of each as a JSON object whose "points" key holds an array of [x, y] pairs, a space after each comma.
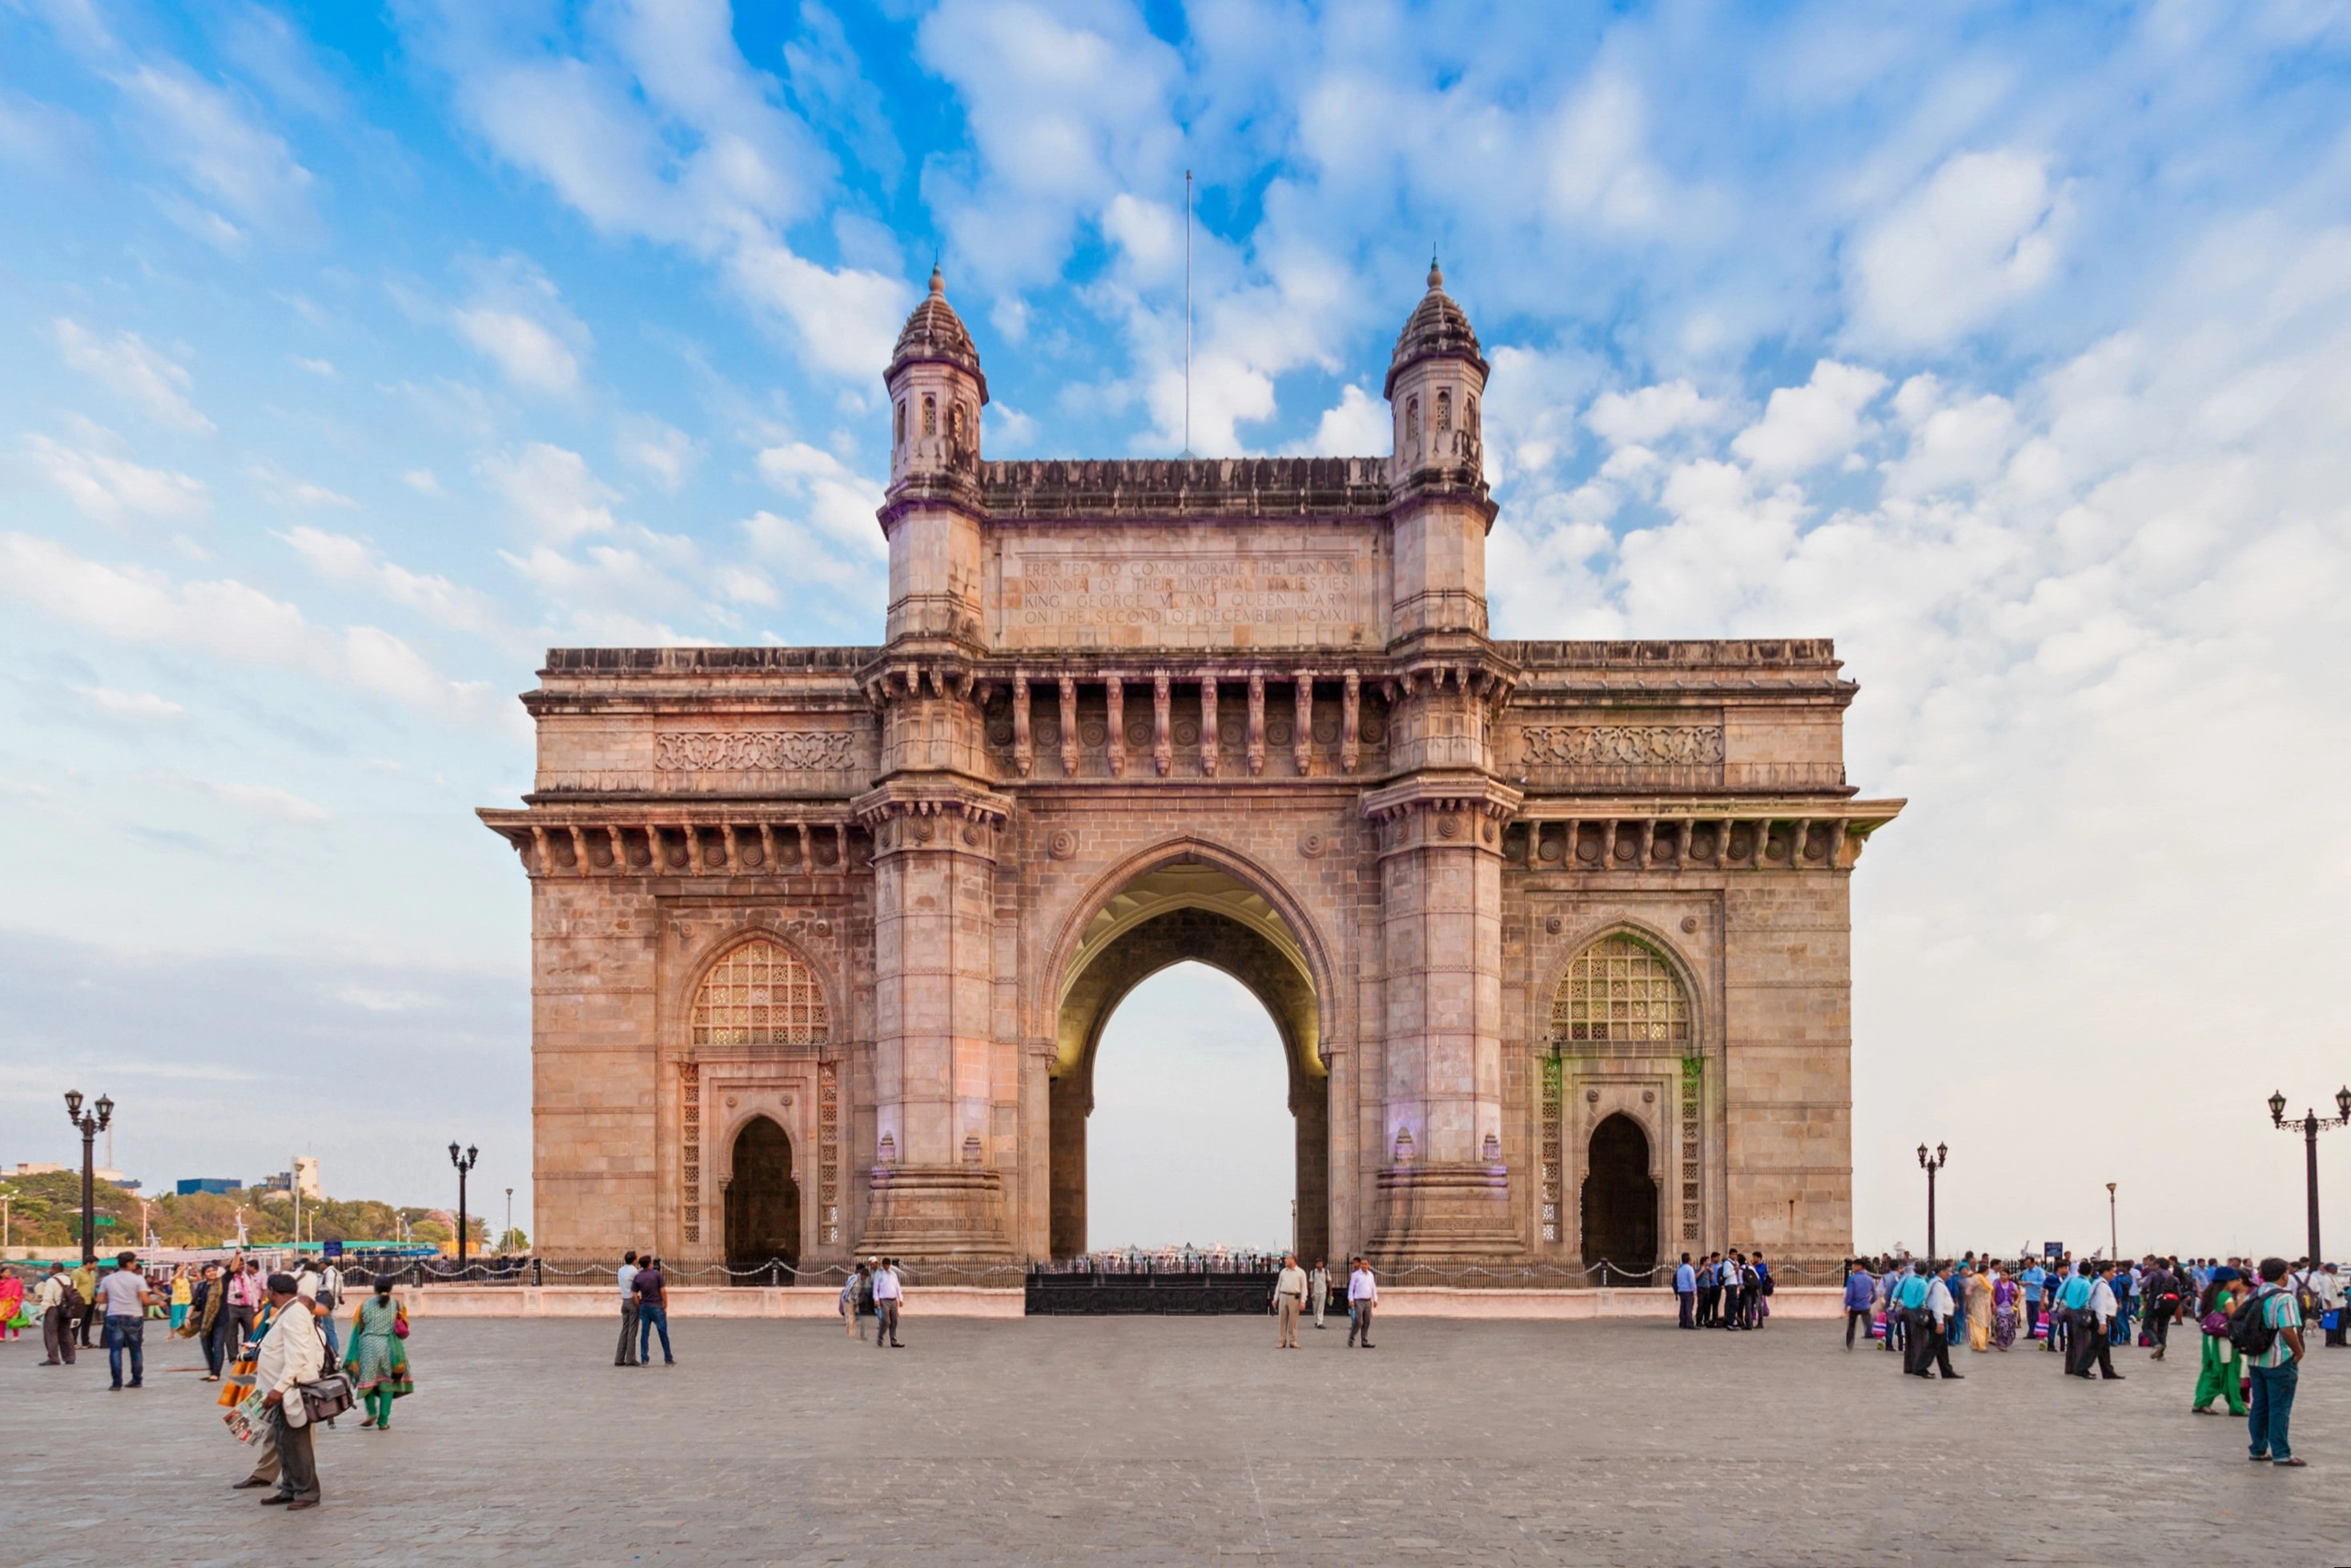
{"points": [[1597, 838], [1448, 790], [699, 839]]}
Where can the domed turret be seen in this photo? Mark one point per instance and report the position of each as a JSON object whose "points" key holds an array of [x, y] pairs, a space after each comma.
{"points": [[1437, 328], [1435, 380], [937, 391], [934, 333]]}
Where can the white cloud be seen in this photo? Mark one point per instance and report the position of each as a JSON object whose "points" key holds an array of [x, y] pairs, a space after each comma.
{"points": [[316, 367], [292, 490], [266, 801], [238, 624], [518, 321], [664, 130], [1953, 445], [422, 481], [112, 489], [527, 353], [552, 491], [1357, 425], [144, 705], [839, 502], [661, 450], [1648, 415], [206, 134], [1985, 230], [339, 558], [1804, 427], [129, 367]]}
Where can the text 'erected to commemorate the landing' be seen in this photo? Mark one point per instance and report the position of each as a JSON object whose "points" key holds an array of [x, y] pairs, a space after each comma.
{"points": [[1180, 592]]}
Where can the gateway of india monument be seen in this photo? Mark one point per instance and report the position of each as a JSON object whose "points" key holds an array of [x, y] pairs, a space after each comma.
{"points": [[1556, 935]]}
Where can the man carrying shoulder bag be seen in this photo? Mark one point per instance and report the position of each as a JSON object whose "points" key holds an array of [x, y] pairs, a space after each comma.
{"points": [[292, 1354]]}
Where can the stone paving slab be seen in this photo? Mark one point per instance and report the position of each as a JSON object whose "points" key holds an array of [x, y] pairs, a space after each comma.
{"points": [[1168, 1440]]}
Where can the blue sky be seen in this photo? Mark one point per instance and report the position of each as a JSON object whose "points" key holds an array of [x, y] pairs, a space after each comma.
{"points": [[347, 357]]}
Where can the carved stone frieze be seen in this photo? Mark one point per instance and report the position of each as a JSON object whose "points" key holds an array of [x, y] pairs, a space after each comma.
{"points": [[753, 750], [1623, 744]]}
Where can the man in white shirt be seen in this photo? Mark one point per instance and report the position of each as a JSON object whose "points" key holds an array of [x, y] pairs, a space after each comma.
{"points": [[291, 1355], [1938, 1356], [123, 1299], [1289, 1295], [627, 1354], [1318, 1288], [2329, 1283], [1363, 1295], [2102, 1319], [888, 1291]]}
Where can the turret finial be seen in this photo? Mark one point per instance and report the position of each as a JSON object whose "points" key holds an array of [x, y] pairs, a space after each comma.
{"points": [[1435, 276], [938, 284]]}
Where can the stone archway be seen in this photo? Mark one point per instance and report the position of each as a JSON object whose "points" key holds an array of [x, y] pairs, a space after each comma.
{"points": [[763, 1198], [1620, 1196], [1188, 912]]}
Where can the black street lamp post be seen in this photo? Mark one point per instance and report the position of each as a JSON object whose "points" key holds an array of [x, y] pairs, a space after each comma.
{"points": [[2311, 1124], [464, 1163], [91, 1127], [1930, 1166]]}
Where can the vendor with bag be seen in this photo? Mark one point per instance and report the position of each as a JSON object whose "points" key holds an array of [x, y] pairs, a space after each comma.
{"points": [[291, 1355]]}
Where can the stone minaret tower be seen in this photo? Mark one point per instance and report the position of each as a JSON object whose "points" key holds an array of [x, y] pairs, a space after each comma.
{"points": [[1444, 1188], [937, 1185]]}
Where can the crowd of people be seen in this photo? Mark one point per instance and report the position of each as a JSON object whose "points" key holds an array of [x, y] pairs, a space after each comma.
{"points": [[2250, 1321], [1724, 1290], [269, 1339]]}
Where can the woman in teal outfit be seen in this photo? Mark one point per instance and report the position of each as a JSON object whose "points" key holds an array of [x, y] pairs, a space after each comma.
{"points": [[378, 1359]]}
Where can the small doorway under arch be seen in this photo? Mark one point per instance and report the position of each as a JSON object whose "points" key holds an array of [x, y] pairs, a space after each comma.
{"points": [[763, 1201], [1620, 1197]]}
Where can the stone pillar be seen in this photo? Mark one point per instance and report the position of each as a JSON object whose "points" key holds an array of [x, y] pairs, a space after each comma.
{"points": [[1072, 1102], [937, 1191]]}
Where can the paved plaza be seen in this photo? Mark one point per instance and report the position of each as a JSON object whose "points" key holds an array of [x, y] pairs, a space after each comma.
{"points": [[1142, 1439]]}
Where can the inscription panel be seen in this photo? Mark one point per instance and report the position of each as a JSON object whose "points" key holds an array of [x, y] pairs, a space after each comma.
{"points": [[1189, 592]]}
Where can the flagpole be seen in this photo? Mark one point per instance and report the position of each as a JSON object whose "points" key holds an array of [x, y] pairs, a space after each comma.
{"points": [[1187, 312]]}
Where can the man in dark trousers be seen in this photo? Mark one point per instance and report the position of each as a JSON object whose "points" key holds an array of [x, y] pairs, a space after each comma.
{"points": [[1934, 1325]]}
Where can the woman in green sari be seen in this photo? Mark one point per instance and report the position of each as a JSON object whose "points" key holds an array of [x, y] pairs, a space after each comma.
{"points": [[2222, 1368], [378, 1359]]}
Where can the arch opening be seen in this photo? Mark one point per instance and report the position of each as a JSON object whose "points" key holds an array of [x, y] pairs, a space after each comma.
{"points": [[1620, 1196], [763, 1200], [1186, 911]]}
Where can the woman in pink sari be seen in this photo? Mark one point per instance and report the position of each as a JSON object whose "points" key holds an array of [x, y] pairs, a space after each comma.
{"points": [[12, 1305]]}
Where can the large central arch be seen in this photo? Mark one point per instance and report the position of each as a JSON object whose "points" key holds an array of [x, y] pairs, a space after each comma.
{"points": [[1186, 907]]}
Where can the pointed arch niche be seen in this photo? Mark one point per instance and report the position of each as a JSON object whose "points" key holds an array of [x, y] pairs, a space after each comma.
{"points": [[760, 1033], [1625, 1043]]}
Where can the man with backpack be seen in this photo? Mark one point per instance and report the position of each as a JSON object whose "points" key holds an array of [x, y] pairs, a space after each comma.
{"points": [[2268, 1328], [59, 1304], [2163, 1294]]}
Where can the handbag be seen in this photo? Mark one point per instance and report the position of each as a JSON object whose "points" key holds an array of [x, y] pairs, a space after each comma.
{"points": [[326, 1398], [400, 1323]]}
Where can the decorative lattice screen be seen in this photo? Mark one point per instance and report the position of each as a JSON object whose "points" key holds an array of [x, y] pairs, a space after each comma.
{"points": [[759, 994], [1621, 989]]}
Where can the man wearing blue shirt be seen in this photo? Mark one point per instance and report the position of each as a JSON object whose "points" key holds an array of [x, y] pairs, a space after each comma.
{"points": [[2074, 1307], [1858, 1286], [1686, 1291], [2032, 1279], [1911, 1301]]}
